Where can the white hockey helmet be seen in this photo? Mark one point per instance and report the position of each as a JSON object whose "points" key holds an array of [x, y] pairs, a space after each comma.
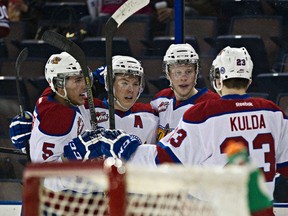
{"points": [[180, 54], [231, 63], [60, 66], [128, 66]]}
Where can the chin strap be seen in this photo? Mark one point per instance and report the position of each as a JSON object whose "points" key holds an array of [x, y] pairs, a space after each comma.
{"points": [[65, 97], [119, 104]]}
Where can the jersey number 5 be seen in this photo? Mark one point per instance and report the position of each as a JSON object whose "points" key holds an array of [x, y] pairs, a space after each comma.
{"points": [[47, 150]]}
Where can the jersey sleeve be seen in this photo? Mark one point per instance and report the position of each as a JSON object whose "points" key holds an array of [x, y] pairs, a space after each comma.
{"points": [[145, 155], [53, 128], [182, 145], [282, 150]]}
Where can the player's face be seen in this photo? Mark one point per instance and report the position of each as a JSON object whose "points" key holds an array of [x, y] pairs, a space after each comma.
{"points": [[76, 89], [183, 78], [126, 89]]}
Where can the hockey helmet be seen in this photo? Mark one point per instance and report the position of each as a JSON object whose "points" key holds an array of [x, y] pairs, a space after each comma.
{"points": [[60, 66], [180, 54], [231, 63], [128, 66]]}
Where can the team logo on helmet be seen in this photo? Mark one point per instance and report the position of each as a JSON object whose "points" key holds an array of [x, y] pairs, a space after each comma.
{"points": [[241, 71], [222, 70], [56, 60]]}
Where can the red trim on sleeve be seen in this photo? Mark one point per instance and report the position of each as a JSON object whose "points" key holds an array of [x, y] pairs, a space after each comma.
{"points": [[162, 155]]}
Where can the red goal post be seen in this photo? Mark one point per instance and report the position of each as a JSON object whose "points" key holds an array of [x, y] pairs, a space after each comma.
{"points": [[112, 188]]}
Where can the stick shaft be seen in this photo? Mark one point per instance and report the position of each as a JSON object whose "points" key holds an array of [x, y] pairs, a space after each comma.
{"points": [[110, 29], [19, 61], [11, 151]]}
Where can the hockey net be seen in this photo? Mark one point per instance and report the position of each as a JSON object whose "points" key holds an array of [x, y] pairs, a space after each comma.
{"points": [[112, 188]]}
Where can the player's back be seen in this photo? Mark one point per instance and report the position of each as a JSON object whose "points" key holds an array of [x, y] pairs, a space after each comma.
{"points": [[256, 122]]}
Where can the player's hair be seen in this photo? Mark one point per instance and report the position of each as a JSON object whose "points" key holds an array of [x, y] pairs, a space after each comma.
{"points": [[237, 83]]}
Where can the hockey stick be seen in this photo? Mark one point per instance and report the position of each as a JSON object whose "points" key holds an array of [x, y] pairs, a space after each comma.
{"points": [[11, 151], [19, 61], [62, 43], [125, 11]]}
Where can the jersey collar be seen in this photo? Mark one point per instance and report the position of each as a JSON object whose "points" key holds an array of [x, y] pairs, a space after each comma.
{"points": [[235, 96]]}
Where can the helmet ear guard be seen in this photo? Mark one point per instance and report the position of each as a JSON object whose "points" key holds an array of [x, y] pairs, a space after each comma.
{"points": [[59, 82]]}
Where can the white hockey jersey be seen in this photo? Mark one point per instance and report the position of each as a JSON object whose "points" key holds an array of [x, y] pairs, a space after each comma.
{"points": [[54, 125], [141, 120], [206, 128], [171, 111]]}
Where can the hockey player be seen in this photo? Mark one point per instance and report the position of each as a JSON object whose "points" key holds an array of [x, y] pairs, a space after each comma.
{"points": [[60, 114], [181, 66], [128, 83], [206, 128]]}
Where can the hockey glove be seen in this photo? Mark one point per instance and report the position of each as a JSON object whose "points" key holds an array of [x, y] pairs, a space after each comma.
{"points": [[117, 143], [20, 129], [99, 74], [85, 146]]}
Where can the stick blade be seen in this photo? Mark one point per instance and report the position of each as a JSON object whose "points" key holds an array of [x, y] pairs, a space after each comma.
{"points": [[127, 9], [57, 40]]}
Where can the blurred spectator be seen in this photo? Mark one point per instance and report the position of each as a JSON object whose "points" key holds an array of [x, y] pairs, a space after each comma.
{"points": [[103, 8], [28, 11], [15, 9], [164, 12], [4, 20]]}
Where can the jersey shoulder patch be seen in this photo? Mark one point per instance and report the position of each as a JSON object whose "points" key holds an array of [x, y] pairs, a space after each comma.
{"points": [[55, 119], [164, 93], [207, 95], [143, 107], [97, 103]]}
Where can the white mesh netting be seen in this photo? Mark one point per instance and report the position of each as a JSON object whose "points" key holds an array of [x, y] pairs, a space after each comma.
{"points": [[169, 190]]}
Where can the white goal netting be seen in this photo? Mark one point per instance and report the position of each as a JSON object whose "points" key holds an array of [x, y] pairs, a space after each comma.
{"points": [[168, 190]]}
